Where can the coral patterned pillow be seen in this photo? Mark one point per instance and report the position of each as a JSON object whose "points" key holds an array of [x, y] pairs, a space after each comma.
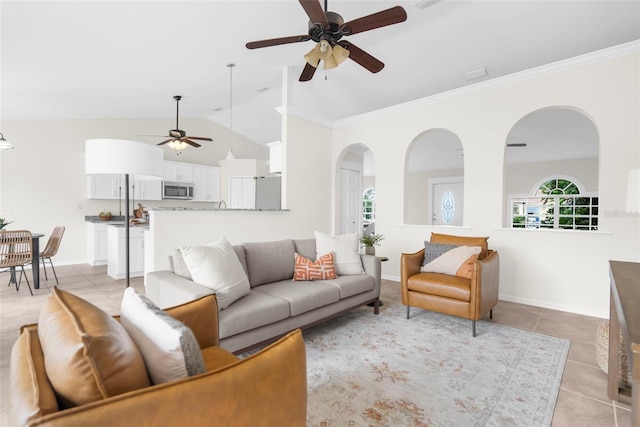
{"points": [[321, 269]]}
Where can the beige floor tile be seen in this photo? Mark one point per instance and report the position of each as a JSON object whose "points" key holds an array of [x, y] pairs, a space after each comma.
{"points": [[574, 410]]}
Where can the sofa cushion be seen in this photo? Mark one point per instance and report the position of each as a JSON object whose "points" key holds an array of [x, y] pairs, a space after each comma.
{"points": [[353, 285], [463, 241], [255, 310], [321, 269], [345, 249], [169, 348], [455, 262], [441, 285], [269, 261], [88, 354], [216, 266], [301, 296], [306, 247]]}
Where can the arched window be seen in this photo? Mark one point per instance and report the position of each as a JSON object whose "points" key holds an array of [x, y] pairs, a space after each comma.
{"points": [[368, 206], [556, 203]]}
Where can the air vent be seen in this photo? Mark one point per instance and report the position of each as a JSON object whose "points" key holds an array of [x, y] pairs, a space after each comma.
{"points": [[517, 144], [423, 4], [475, 74]]}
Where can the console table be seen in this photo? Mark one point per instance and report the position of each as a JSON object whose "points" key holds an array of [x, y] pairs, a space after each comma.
{"points": [[624, 316]]}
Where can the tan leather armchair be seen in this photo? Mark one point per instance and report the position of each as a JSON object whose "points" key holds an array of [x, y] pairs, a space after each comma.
{"points": [[267, 388], [458, 296]]}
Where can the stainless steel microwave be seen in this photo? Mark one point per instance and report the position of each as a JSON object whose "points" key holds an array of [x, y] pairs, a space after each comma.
{"points": [[177, 190]]}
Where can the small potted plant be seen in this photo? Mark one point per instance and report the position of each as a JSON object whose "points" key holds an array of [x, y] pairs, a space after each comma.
{"points": [[105, 216], [370, 241], [4, 223]]}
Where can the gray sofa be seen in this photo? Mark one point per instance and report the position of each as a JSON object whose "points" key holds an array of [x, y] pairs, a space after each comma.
{"points": [[276, 304]]}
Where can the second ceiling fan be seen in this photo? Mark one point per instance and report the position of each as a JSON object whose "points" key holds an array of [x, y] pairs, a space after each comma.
{"points": [[327, 29], [178, 138]]}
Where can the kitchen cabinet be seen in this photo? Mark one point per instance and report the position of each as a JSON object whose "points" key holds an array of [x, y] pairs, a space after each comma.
{"points": [[242, 192], [112, 187], [96, 243], [177, 172], [103, 187], [206, 183], [116, 262], [147, 189]]}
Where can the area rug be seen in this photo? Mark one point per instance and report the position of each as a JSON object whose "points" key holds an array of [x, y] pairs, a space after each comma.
{"points": [[385, 370]]}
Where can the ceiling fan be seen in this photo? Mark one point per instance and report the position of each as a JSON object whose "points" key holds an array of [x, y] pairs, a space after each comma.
{"points": [[178, 138], [327, 29]]}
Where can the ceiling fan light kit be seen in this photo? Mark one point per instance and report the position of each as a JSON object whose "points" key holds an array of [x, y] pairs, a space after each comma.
{"points": [[327, 29]]}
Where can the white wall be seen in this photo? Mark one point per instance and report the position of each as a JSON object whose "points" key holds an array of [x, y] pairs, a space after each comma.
{"points": [[558, 269], [43, 183]]}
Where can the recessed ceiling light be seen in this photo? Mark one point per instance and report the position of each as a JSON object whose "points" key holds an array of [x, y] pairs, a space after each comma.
{"points": [[475, 74]]}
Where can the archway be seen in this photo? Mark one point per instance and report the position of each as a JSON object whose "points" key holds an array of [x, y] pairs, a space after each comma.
{"points": [[434, 179], [544, 146]]}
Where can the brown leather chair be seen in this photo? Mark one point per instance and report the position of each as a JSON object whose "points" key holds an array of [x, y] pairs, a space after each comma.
{"points": [[458, 296], [268, 388]]}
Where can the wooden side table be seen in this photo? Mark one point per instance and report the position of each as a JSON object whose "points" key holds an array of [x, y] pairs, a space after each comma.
{"points": [[625, 316]]}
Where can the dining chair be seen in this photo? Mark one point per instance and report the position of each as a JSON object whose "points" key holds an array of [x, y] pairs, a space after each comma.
{"points": [[51, 249], [16, 251]]}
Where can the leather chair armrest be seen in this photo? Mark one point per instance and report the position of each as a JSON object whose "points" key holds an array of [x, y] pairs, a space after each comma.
{"points": [[487, 282], [201, 316], [266, 389], [410, 264]]}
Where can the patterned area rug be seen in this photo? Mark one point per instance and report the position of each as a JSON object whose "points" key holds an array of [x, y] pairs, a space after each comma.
{"points": [[385, 370]]}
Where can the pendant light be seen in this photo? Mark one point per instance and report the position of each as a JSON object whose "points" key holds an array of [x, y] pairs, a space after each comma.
{"points": [[230, 155], [4, 144]]}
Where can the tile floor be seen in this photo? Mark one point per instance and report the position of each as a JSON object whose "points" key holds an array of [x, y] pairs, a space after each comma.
{"points": [[582, 400]]}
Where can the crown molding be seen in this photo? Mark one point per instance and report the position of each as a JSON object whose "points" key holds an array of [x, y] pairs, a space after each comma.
{"points": [[619, 51], [288, 110]]}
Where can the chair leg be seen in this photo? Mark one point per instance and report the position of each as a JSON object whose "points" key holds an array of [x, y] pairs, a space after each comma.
{"points": [[54, 271], [22, 273], [44, 266], [408, 307], [473, 327]]}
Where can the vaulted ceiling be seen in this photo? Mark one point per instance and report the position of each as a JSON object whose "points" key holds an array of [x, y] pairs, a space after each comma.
{"points": [[127, 59]]}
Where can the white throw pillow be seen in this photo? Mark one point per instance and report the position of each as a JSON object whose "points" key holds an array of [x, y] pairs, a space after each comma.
{"points": [[217, 266], [345, 252], [169, 348], [452, 261]]}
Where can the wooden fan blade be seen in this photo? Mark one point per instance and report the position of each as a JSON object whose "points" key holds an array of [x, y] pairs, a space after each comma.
{"points": [[363, 58], [165, 141], [277, 41], [314, 11], [383, 18], [307, 73], [193, 144], [200, 138]]}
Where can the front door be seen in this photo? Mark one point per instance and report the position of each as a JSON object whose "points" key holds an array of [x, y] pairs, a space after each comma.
{"points": [[350, 201], [447, 203]]}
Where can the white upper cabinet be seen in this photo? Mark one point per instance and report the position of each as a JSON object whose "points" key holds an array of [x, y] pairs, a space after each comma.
{"points": [[177, 172], [206, 183], [147, 189], [104, 187]]}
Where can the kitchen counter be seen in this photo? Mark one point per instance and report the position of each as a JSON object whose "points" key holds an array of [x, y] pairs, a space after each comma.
{"points": [[117, 221], [215, 209]]}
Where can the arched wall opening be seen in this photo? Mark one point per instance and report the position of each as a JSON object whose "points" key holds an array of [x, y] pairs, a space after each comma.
{"points": [[434, 179], [552, 147]]}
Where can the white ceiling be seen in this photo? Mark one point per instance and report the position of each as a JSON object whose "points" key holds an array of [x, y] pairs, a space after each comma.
{"points": [[126, 59]]}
